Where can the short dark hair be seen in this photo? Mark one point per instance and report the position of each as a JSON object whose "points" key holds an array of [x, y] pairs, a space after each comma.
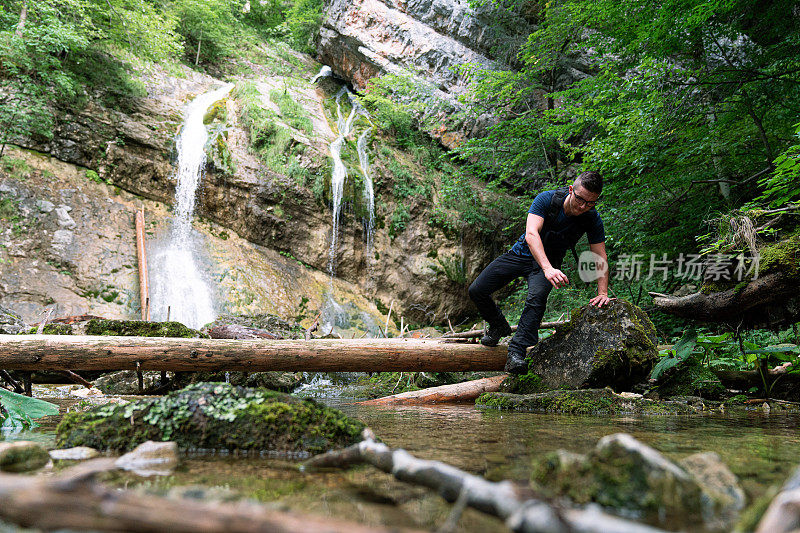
{"points": [[591, 180]]}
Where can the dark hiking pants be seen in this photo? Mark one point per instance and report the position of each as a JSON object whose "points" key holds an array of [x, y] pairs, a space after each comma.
{"points": [[497, 275]]}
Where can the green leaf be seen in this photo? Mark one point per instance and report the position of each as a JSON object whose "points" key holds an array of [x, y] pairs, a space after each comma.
{"points": [[30, 407]]}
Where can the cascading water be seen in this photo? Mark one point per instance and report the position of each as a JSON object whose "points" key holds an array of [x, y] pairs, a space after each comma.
{"points": [[369, 193], [339, 173], [324, 72], [178, 288]]}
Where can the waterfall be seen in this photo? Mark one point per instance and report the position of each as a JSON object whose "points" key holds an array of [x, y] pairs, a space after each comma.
{"points": [[369, 193], [324, 72], [339, 173], [178, 286]]}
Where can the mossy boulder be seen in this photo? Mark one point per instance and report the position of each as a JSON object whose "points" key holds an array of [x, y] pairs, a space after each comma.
{"points": [[10, 322], [271, 323], [582, 401], [626, 476], [213, 416], [139, 328], [693, 379], [22, 456], [613, 346]]}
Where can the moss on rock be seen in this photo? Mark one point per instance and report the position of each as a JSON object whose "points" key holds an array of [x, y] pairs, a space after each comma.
{"points": [[693, 379], [138, 328], [215, 416], [583, 401], [51, 329]]}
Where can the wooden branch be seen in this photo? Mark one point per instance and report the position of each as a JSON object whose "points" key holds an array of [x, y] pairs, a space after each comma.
{"points": [[313, 327], [756, 303], [76, 352], [467, 391], [476, 333], [141, 255], [501, 499], [73, 500]]}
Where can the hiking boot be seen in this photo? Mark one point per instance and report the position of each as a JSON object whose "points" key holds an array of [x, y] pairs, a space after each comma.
{"points": [[494, 334], [516, 363]]}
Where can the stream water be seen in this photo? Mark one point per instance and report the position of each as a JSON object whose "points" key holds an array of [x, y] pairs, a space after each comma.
{"points": [[760, 449]]}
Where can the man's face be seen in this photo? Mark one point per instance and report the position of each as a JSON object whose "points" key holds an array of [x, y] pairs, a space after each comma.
{"points": [[580, 200]]}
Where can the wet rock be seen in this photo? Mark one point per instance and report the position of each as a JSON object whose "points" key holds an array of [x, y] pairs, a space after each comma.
{"points": [[582, 401], [624, 475], [151, 459], [22, 456], [723, 496], [269, 323], [10, 322], [127, 382], [214, 416], [78, 453], [614, 346], [278, 381]]}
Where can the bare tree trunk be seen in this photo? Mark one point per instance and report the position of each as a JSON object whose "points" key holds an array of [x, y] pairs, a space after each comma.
{"points": [[455, 393], [23, 15], [79, 352]]}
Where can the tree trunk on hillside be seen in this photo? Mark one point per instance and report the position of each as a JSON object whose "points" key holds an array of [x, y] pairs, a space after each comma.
{"points": [[76, 352], [23, 15], [73, 501], [455, 393]]}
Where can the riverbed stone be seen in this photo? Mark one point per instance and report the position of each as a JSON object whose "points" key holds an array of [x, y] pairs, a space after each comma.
{"points": [[214, 416], [127, 382], [22, 456], [625, 475], [613, 346], [77, 453], [723, 497], [151, 459]]}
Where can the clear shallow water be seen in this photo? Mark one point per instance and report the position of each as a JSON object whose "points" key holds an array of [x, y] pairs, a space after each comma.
{"points": [[760, 449]]}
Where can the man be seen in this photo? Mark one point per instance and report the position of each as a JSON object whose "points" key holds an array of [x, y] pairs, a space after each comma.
{"points": [[556, 220]]}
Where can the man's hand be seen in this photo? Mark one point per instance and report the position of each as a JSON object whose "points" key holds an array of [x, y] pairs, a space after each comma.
{"points": [[600, 300], [557, 278]]}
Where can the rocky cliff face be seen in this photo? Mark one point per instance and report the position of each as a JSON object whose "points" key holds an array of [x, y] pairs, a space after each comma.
{"points": [[135, 152]]}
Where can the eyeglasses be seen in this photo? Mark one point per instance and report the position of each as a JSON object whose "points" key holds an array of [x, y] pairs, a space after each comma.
{"points": [[584, 201]]}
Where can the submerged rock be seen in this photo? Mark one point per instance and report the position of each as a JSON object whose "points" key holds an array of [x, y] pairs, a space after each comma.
{"points": [[22, 456], [583, 401], [625, 475], [614, 346], [214, 416], [717, 481], [150, 459]]}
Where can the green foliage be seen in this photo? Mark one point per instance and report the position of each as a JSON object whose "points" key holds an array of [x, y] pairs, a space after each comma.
{"points": [[400, 217], [303, 22], [291, 111], [453, 267], [19, 411], [782, 186], [207, 28]]}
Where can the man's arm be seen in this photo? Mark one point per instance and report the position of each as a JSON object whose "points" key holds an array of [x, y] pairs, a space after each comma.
{"points": [[599, 249], [533, 238]]}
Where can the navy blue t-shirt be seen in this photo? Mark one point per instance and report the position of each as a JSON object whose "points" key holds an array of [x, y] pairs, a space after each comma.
{"points": [[561, 234]]}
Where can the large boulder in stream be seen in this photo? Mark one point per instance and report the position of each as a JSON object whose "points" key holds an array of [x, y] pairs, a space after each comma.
{"points": [[627, 476], [214, 416], [613, 346]]}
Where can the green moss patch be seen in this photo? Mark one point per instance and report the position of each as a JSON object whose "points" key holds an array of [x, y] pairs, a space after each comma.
{"points": [[693, 379], [213, 416], [584, 401], [138, 328]]}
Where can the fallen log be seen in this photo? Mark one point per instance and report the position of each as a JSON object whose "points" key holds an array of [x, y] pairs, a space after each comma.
{"points": [[501, 499], [75, 352], [476, 333], [772, 300], [467, 391], [72, 500]]}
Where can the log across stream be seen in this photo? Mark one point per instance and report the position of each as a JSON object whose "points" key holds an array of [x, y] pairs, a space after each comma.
{"points": [[76, 352]]}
